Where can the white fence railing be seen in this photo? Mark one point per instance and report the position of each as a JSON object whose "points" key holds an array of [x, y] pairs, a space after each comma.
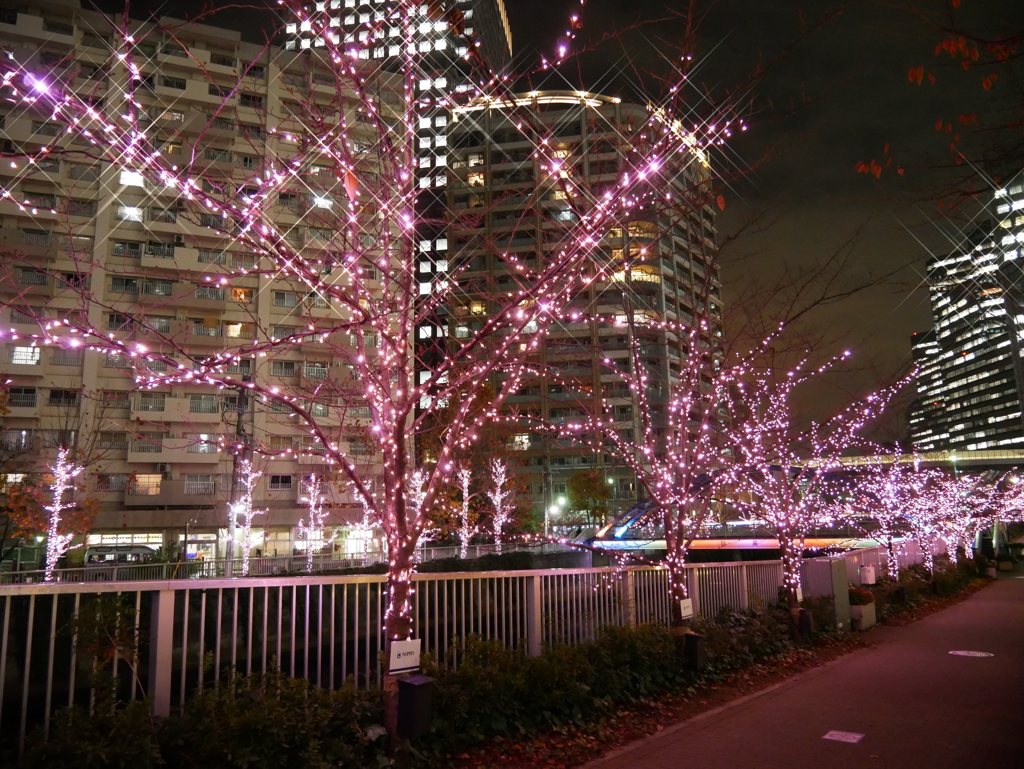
{"points": [[322, 628]]}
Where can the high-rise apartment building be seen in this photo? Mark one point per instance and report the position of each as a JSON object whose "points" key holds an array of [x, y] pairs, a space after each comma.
{"points": [[85, 238], [971, 382], [509, 213]]}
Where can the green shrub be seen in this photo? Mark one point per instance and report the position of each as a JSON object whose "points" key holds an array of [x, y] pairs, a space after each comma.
{"points": [[735, 638], [249, 722]]}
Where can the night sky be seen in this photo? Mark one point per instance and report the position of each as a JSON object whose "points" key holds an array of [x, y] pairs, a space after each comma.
{"points": [[840, 95]]}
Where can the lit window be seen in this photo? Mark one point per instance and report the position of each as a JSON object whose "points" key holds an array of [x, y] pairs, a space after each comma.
{"points": [[25, 356], [129, 214], [132, 179], [322, 202]]}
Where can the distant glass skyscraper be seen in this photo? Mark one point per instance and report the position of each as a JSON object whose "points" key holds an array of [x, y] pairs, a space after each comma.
{"points": [[971, 381]]}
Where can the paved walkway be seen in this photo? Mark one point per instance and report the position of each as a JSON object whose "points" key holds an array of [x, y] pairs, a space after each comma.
{"points": [[914, 703]]}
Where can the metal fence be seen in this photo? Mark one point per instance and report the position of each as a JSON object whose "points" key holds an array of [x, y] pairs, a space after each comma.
{"points": [[258, 567], [909, 552], [323, 628]]}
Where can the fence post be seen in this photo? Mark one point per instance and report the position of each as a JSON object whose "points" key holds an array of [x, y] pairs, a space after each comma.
{"points": [[745, 589], [694, 588], [534, 615], [630, 587], [161, 652]]}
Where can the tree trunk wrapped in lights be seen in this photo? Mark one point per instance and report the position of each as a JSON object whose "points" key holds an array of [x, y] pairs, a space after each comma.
{"points": [[465, 529], [500, 496], [314, 530], [58, 542], [244, 509], [347, 253]]}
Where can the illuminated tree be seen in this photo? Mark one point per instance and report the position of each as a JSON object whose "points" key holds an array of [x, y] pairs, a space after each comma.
{"points": [[243, 508], [893, 497], [501, 497], [465, 529], [314, 532], [58, 541], [783, 470]]}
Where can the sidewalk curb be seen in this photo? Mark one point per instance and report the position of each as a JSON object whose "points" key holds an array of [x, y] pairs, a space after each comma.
{"points": [[669, 730]]}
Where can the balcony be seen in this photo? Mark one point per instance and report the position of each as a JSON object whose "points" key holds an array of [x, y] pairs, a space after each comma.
{"points": [[181, 450], [170, 493], [176, 410]]}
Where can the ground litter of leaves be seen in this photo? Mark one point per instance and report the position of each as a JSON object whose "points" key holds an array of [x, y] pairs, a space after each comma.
{"points": [[575, 746]]}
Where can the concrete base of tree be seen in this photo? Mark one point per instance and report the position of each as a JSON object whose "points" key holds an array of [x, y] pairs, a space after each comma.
{"points": [[863, 616], [991, 572], [1006, 566]]}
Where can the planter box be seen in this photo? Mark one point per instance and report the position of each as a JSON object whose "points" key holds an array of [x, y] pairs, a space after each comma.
{"points": [[1006, 566], [991, 572], [863, 616]]}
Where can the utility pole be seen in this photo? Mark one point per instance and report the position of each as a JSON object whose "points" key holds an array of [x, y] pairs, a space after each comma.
{"points": [[238, 456]]}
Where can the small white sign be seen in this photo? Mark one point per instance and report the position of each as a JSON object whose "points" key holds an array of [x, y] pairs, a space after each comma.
{"points": [[405, 655], [838, 736], [799, 594], [867, 575], [972, 654], [685, 607]]}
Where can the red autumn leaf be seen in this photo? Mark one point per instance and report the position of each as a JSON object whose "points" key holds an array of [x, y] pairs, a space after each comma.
{"points": [[956, 3], [721, 202], [938, 125], [966, 65], [886, 150], [916, 75], [899, 170], [931, 78], [988, 82]]}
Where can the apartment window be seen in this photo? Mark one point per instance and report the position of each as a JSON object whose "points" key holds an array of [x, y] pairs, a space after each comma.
{"points": [[223, 123], [151, 402], [81, 207], [110, 440], [199, 484], [149, 443], [129, 214], [63, 398], [157, 287], [32, 277], [243, 366], [317, 301], [159, 323], [248, 162], [131, 179], [160, 250], [282, 442], [243, 295], [281, 332], [21, 397], [124, 285], [64, 357], [236, 403], [116, 360], [27, 315], [16, 440], [257, 71], [145, 485], [83, 173], [209, 292], [520, 442], [206, 326], [279, 483], [203, 404], [119, 322], [114, 399], [111, 481], [240, 330], [251, 100], [76, 280], [278, 367], [212, 257], [319, 234], [202, 443], [213, 153], [25, 356], [314, 370], [319, 409], [174, 82], [127, 248], [286, 299], [219, 90], [40, 200]]}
